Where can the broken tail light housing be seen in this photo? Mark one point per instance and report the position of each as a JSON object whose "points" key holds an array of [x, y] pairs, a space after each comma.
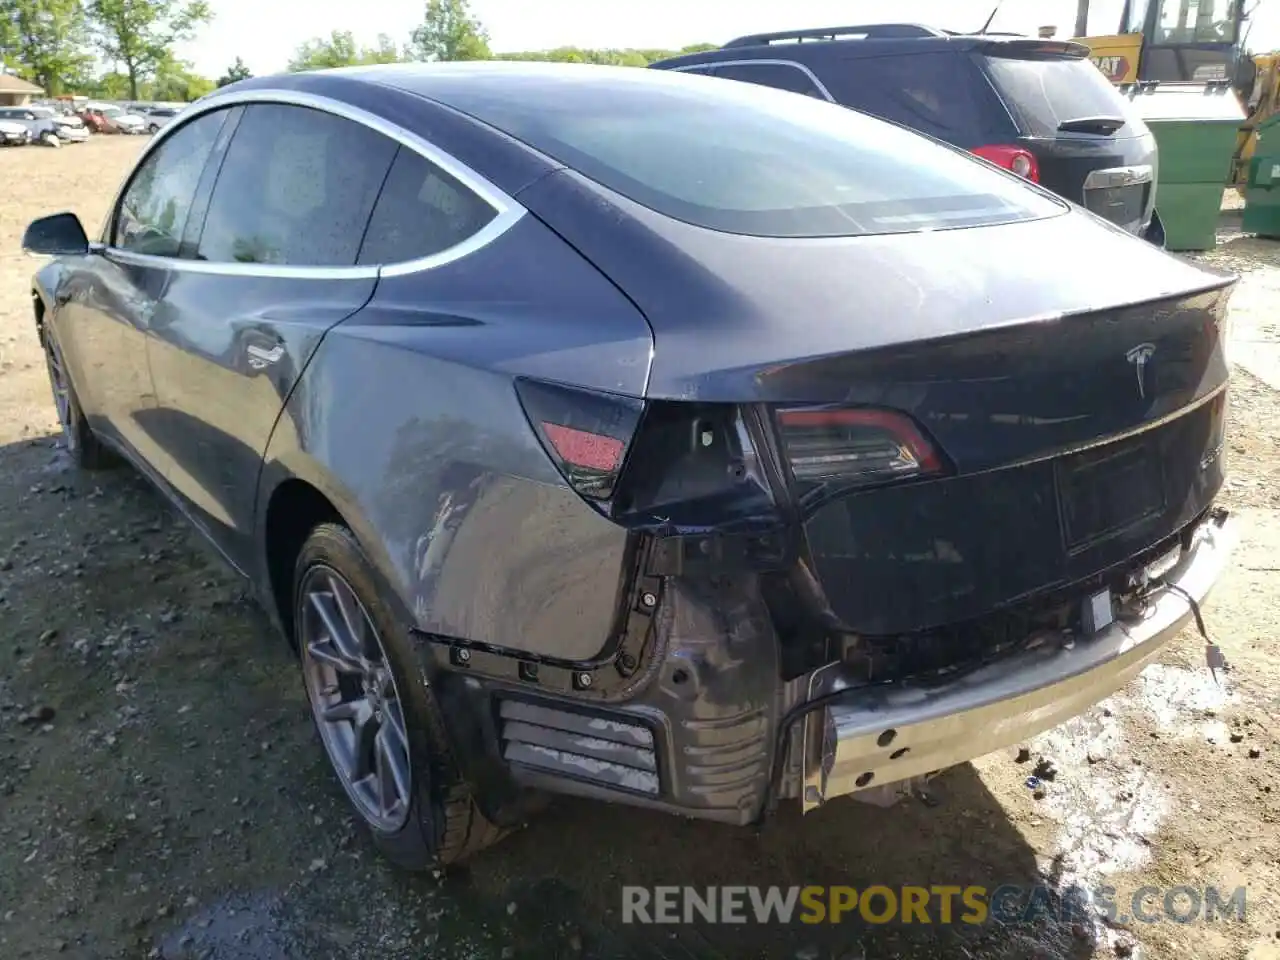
{"points": [[854, 446], [1019, 160], [587, 434]]}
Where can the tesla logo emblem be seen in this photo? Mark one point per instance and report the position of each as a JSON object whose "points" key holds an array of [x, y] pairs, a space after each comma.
{"points": [[1138, 356]]}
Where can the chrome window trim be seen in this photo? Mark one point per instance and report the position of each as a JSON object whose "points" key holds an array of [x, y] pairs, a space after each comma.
{"points": [[711, 64], [508, 212]]}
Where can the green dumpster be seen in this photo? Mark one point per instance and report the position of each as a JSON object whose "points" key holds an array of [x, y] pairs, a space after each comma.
{"points": [[1262, 191], [1195, 128]]}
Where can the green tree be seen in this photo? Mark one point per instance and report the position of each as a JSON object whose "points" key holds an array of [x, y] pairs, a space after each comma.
{"points": [[449, 32], [47, 40], [609, 57], [112, 85], [237, 71], [176, 82], [385, 52], [140, 34], [339, 49]]}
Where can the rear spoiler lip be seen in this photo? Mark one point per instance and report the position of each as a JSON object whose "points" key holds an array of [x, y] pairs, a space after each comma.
{"points": [[1030, 49]]}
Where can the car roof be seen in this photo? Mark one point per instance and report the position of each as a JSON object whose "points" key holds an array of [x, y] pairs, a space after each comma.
{"points": [[537, 83], [843, 43], [532, 86]]}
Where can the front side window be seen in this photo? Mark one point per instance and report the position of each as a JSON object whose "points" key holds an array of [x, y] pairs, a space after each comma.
{"points": [[751, 160], [153, 212], [422, 210], [780, 76], [296, 188]]}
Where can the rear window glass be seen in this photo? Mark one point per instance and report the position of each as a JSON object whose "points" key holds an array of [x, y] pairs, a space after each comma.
{"points": [[745, 159], [942, 94], [1049, 92]]}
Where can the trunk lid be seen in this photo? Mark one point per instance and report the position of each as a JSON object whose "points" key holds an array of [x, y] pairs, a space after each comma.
{"points": [[1072, 375]]}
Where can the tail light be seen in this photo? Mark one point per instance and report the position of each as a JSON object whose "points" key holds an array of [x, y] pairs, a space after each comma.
{"points": [[1018, 159], [586, 433], [855, 446]]}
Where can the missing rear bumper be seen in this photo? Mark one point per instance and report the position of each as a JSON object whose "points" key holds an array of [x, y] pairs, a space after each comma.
{"points": [[883, 735]]}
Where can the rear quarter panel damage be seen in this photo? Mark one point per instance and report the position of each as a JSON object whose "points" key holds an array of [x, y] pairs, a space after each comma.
{"points": [[408, 420]]}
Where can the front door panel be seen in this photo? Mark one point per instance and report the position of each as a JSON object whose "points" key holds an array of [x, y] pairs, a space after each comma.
{"points": [[225, 351], [102, 329]]}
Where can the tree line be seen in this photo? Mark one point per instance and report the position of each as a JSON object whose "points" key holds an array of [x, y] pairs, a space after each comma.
{"points": [[449, 31], [59, 45]]}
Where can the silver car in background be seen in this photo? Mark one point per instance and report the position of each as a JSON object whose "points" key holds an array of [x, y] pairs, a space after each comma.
{"points": [[13, 134], [158, 117], [46, 125]]}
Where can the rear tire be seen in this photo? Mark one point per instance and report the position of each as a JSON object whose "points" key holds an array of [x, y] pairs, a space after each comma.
{"points": [[369, 677], [86, 451]]}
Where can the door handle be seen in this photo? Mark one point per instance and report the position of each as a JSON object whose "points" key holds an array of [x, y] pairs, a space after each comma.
{"points": [[262, 357]]}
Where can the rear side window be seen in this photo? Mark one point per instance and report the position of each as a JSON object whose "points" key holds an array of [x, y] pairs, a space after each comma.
{"points": [[942, 94], [422, 211], [296, 188], [1047, 93], [750, 160], [780, 76], [153, 211]]}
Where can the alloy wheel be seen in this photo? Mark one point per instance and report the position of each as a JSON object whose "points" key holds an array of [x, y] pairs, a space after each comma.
{"points": [[354, 698], [61, 391]]}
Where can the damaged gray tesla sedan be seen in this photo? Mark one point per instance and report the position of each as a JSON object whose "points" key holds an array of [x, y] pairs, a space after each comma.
{"points": [[657, 439]]}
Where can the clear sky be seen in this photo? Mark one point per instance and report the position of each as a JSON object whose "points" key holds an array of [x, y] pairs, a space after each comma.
{"points": [[266, 32]]}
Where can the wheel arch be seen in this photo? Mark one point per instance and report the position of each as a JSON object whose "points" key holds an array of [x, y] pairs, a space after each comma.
{"points": [[295, 495]]}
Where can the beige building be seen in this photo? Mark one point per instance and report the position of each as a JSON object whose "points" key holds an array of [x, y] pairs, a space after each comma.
{"points": [[14, 91]]}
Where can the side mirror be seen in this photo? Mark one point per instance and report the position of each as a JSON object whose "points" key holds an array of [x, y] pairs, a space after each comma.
{"points": [[60, 234]]}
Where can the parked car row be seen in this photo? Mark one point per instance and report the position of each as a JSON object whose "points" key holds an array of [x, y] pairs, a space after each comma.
{"points": [[54, 124], [31, 124]]}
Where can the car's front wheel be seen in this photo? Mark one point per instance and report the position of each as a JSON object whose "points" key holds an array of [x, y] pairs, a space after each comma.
{"points": [[85, 449], [380, 724]]}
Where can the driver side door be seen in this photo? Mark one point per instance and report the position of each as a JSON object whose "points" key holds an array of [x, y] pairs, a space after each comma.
{"points": [[119, 295]]}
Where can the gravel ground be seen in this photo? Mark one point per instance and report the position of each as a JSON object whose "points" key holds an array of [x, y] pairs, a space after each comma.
{"points": [[162, 793]]}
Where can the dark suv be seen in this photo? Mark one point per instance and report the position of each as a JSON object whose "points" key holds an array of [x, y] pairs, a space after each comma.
{"points": [[1037, 107]]}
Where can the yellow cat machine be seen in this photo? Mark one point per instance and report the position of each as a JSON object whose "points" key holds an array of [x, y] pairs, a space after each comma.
{"points": [[1180, 65], [1262, 103], [1171, 41]]}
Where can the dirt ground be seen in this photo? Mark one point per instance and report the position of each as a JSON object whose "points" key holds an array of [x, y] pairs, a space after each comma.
{"points": [[162, 793]]}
